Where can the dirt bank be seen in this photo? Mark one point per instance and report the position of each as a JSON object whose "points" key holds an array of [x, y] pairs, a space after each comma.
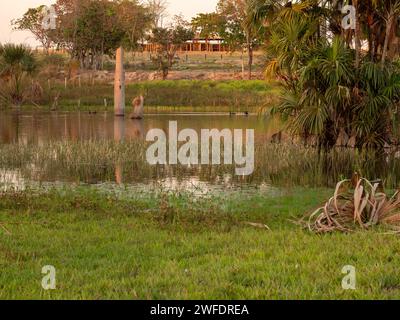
{"points": [[108, 76]]}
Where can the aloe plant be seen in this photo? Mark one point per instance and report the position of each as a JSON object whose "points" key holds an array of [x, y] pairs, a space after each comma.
{"points": [[357, 203]]}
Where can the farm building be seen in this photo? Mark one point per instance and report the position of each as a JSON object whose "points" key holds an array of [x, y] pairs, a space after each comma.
{"points": [[195, 45]]}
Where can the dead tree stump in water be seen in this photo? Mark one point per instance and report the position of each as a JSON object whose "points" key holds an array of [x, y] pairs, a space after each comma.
{"points": [[137, 108], [119, 84]]}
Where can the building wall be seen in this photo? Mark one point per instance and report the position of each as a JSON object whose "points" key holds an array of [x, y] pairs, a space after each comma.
{"points": [[193, 46]]}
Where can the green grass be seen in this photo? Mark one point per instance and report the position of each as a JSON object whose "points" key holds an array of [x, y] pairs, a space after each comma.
{"points": [[149, 246], [234, 95], [203, 95]]}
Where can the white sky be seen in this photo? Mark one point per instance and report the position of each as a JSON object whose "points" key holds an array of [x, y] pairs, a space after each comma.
{"points": [[13, 9]]}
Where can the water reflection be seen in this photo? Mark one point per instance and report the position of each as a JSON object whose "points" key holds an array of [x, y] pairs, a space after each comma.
{"points": [[102, 149], [119, 136], [39, 127], [12, 180]]}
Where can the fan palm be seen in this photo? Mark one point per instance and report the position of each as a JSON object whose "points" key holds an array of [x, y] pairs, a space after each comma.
{"points": [[329, 97], [17, 64], [289, 47]]}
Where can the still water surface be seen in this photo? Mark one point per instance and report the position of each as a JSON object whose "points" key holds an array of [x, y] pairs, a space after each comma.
{"points": [[39, 129], [276, 165]]}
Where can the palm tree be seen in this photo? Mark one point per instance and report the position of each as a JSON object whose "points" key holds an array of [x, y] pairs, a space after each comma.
{"points": [[268, 10], [333, 94], [290, 43], [17, 65], [264, 10], [375, 20], [327, 97]]}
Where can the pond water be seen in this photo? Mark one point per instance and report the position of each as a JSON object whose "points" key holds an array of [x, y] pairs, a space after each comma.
{"points": [[108, 152], [39, 128]]}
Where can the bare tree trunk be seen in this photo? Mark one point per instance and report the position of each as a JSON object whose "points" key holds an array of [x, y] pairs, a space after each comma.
{"points": [[250, 55], [46, 46], [102, 56], [165, 74], [119, 83], [357, 36], [242, 63], [119, 136], [250, 66], [389, 28]]}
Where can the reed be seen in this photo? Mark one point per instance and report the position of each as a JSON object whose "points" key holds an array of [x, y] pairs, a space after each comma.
{"points": [[282, 165]]}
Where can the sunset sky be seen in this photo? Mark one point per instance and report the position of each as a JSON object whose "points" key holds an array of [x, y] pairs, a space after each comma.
{"points": [[12, 9]]}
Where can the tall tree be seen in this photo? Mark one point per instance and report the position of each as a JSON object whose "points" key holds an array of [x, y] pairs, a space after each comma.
{"points": [[357, 32], [208, 25], [168, 41], [136, 20], [32, 20], [158, 11], [240, 13], [90, 29], [333, 93]]}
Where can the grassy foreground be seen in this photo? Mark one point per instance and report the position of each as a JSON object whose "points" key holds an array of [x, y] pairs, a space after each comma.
{"points": [[173, 246]]}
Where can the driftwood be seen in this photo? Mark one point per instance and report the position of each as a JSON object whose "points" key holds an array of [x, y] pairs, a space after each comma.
{"points": [[137, 108]]}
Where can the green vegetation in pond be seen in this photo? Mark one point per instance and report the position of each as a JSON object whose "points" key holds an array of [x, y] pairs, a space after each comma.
{"points": [[284, 165], [104, 246], [234, 95]]}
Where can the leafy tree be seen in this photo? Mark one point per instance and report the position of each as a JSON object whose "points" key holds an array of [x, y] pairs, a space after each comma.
{"points": [[240, 28], [389, 11], [157, 10], [32, 20], [168, 41], [208, 26], [136, 20], [334, 92], [90, 29], [376, 22]]}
